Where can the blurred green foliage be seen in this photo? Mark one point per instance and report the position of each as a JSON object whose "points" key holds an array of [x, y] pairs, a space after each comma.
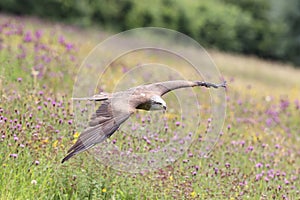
{"points": [[266, 28]]}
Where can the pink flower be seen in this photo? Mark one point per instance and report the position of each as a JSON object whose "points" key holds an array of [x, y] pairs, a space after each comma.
{"points": [[13, 155]]}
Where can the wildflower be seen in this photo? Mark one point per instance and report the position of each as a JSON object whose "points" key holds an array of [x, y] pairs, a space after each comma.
{"points": [[36, 162], [216, 170], [54, 145], [76, 135], [38, 34], [69, 46], [177, 123], [267, 179], [242, 143], [16, 138], [193, 194], [14, 155], [61, 40], [104, 190], [258, 177], [259, 165], [227, 165], [27, 37], [33, 182], [19, 79], [284, 104], [286, 181], [250, 148], [229, 127], [297, 103]]}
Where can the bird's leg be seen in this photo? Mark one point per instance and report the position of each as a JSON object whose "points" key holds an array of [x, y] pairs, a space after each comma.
{"points": [[208, 85]]}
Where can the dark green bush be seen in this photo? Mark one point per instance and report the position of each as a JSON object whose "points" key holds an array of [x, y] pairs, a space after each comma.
{"points": [[246, 26]]}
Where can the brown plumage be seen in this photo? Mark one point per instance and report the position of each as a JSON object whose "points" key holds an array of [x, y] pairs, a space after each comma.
{"points": [[118, 107]]}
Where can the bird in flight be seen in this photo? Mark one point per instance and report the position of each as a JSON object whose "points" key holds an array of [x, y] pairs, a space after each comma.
{"points": [[117, 107]]}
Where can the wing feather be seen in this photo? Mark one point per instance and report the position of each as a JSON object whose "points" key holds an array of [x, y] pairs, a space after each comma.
{"points": [[103, 124]]}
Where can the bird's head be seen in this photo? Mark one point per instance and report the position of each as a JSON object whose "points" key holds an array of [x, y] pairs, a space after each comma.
{"points": [[157, 103]]}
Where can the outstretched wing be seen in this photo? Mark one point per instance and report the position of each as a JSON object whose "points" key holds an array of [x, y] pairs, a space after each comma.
{"points": [[162, 88], [102, 125]]}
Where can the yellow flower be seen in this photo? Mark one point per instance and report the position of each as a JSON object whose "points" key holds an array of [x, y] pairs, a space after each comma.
{"points": [[193, 194], [55, 143], [45, 141], [104, 190], [76, 135], [171, 178]]}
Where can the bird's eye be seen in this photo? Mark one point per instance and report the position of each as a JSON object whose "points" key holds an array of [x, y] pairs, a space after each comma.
{"points": [[159, 103]]}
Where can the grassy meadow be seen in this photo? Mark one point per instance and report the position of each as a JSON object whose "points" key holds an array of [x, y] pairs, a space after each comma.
{"points": [[256, 157]]}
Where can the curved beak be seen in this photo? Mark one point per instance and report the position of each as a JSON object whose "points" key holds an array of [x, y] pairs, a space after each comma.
{"points": [[165, 107]]}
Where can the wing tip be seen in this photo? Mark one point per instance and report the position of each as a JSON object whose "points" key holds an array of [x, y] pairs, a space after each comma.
{"points": [[70, 155]]}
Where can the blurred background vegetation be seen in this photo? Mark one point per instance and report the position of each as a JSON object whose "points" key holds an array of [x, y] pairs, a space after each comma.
{"points": [[266, 28]]}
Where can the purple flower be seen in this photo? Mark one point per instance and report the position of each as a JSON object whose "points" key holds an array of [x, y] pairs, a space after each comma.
{"points": [[216, 170], [286, 181], [259, 165], [16, 138], [258, 177], [36, 162], [279, 187], [250, 148], [194, 173], [61, 40], [69, 46], [70, 122], [284, 104], [297, 103], [177, 123], [227, 165], [13, 155], [27, 37], [19, 79], [38, 34], [267, 179], [242, 143], [228, 126], [277, 146], [269, 122]]}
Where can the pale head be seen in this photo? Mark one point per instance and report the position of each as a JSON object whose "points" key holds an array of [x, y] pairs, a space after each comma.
{"points": [[157, 103]]}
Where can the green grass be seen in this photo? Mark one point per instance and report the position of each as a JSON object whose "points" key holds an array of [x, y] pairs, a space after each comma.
{"points": [[252, 160]]}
